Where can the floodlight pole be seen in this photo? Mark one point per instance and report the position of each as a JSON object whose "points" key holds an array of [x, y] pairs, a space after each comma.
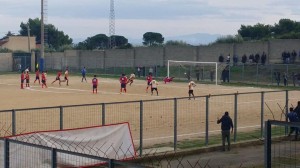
{"points": [[28, 34], [42, 37]]}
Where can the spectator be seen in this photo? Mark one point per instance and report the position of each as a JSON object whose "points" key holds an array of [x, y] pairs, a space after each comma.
{"points": [[225, 74], [293, 117], [235, 60], [285, 79], [226, 125], [277, 77], [244, 59], [221, 58], [139, 71], [251, 58], [257, 58], [294, 55], [228, 59], [263, 58]]}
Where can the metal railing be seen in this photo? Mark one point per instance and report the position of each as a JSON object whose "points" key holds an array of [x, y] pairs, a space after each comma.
{"points": [[33, 155]]}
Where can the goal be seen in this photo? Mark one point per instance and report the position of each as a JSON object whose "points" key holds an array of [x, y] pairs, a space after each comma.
{"points": [[206, 72]]}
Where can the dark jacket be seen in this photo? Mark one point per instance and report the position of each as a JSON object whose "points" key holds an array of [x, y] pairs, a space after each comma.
{"points": [[226, 123]]}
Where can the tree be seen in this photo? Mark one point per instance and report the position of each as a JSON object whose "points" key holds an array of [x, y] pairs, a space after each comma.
{"points": [[230, 39], [256, 32], [56, 39], [176, 43], [122, 42], [153, 39], [99, 41]]}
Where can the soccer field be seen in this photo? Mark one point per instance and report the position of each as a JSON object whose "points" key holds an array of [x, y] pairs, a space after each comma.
{"points": [[158, 114], [108, 91]]}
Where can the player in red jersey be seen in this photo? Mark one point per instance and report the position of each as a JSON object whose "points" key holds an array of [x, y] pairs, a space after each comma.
{"points": [[149, 79], [44, 79], [57, 77], [27, 79], [37, 76], [95, 84], [123, 81], [22, 79]]}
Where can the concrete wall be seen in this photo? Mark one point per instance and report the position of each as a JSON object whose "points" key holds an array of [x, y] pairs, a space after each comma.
{"points": [[181, 53], [91, 59], [211, 53], [278, 46], [6, 62], [151, 56], [119, 58]]}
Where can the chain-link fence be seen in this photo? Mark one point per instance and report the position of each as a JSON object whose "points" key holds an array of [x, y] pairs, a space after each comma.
{"points": [[19, 153], [251, 73], [281, 150]]}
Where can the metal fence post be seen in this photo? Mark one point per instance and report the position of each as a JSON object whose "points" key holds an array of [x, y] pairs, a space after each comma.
{"points": [[235, 116], [103, 113], [256, 73], [206, 120], [6, 153], [141, 127], [61, 118], [13, 122], [262, 114], [175, 124], [267, 145], [111, 163], [54, 158], [286, 110]]}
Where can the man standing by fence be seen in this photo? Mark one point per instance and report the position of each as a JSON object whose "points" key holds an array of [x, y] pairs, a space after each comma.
{"points": [[226, 125]]}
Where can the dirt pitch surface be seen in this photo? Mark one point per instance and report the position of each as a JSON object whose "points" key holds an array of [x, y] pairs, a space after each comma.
{"points": [[158, 116], [12, 97]]}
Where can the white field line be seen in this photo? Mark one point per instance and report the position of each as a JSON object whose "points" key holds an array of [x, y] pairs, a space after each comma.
{"points": [[191, 134]]}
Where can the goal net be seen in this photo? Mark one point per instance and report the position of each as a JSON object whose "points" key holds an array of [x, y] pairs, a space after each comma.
{"points": [[205, 72]]}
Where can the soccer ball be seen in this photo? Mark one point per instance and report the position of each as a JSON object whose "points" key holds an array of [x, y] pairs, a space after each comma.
{"points": [[185, 73]]}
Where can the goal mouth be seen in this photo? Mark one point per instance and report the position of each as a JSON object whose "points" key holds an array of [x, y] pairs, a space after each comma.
{"points": [[203, 72]]}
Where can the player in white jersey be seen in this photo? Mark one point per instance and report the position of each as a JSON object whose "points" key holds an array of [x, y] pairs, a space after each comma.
{"points": [[154, 84], [131, 78], [191, 89]]}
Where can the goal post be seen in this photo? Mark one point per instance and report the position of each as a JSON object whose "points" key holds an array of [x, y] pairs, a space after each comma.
{"points": [[193, 68]]}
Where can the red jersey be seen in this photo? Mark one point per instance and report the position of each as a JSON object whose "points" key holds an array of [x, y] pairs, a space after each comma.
{"points": [[123, 79], [37, 73], [22, 76], [43, 77], [149, 78], [95, 81], [27, 76], [59, 74]]}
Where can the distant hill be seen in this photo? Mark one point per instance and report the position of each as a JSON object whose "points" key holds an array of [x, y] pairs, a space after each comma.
{"points": [[193, 39]]}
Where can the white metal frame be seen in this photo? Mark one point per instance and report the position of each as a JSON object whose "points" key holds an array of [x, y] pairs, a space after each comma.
{"points": [[194, 62]]}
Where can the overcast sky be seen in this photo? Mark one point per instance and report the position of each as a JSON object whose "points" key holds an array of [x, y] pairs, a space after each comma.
{"points": [[85, 18]]}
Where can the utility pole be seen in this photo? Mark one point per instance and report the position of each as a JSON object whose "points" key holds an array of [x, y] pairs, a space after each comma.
{"points": [[28, 34]]}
